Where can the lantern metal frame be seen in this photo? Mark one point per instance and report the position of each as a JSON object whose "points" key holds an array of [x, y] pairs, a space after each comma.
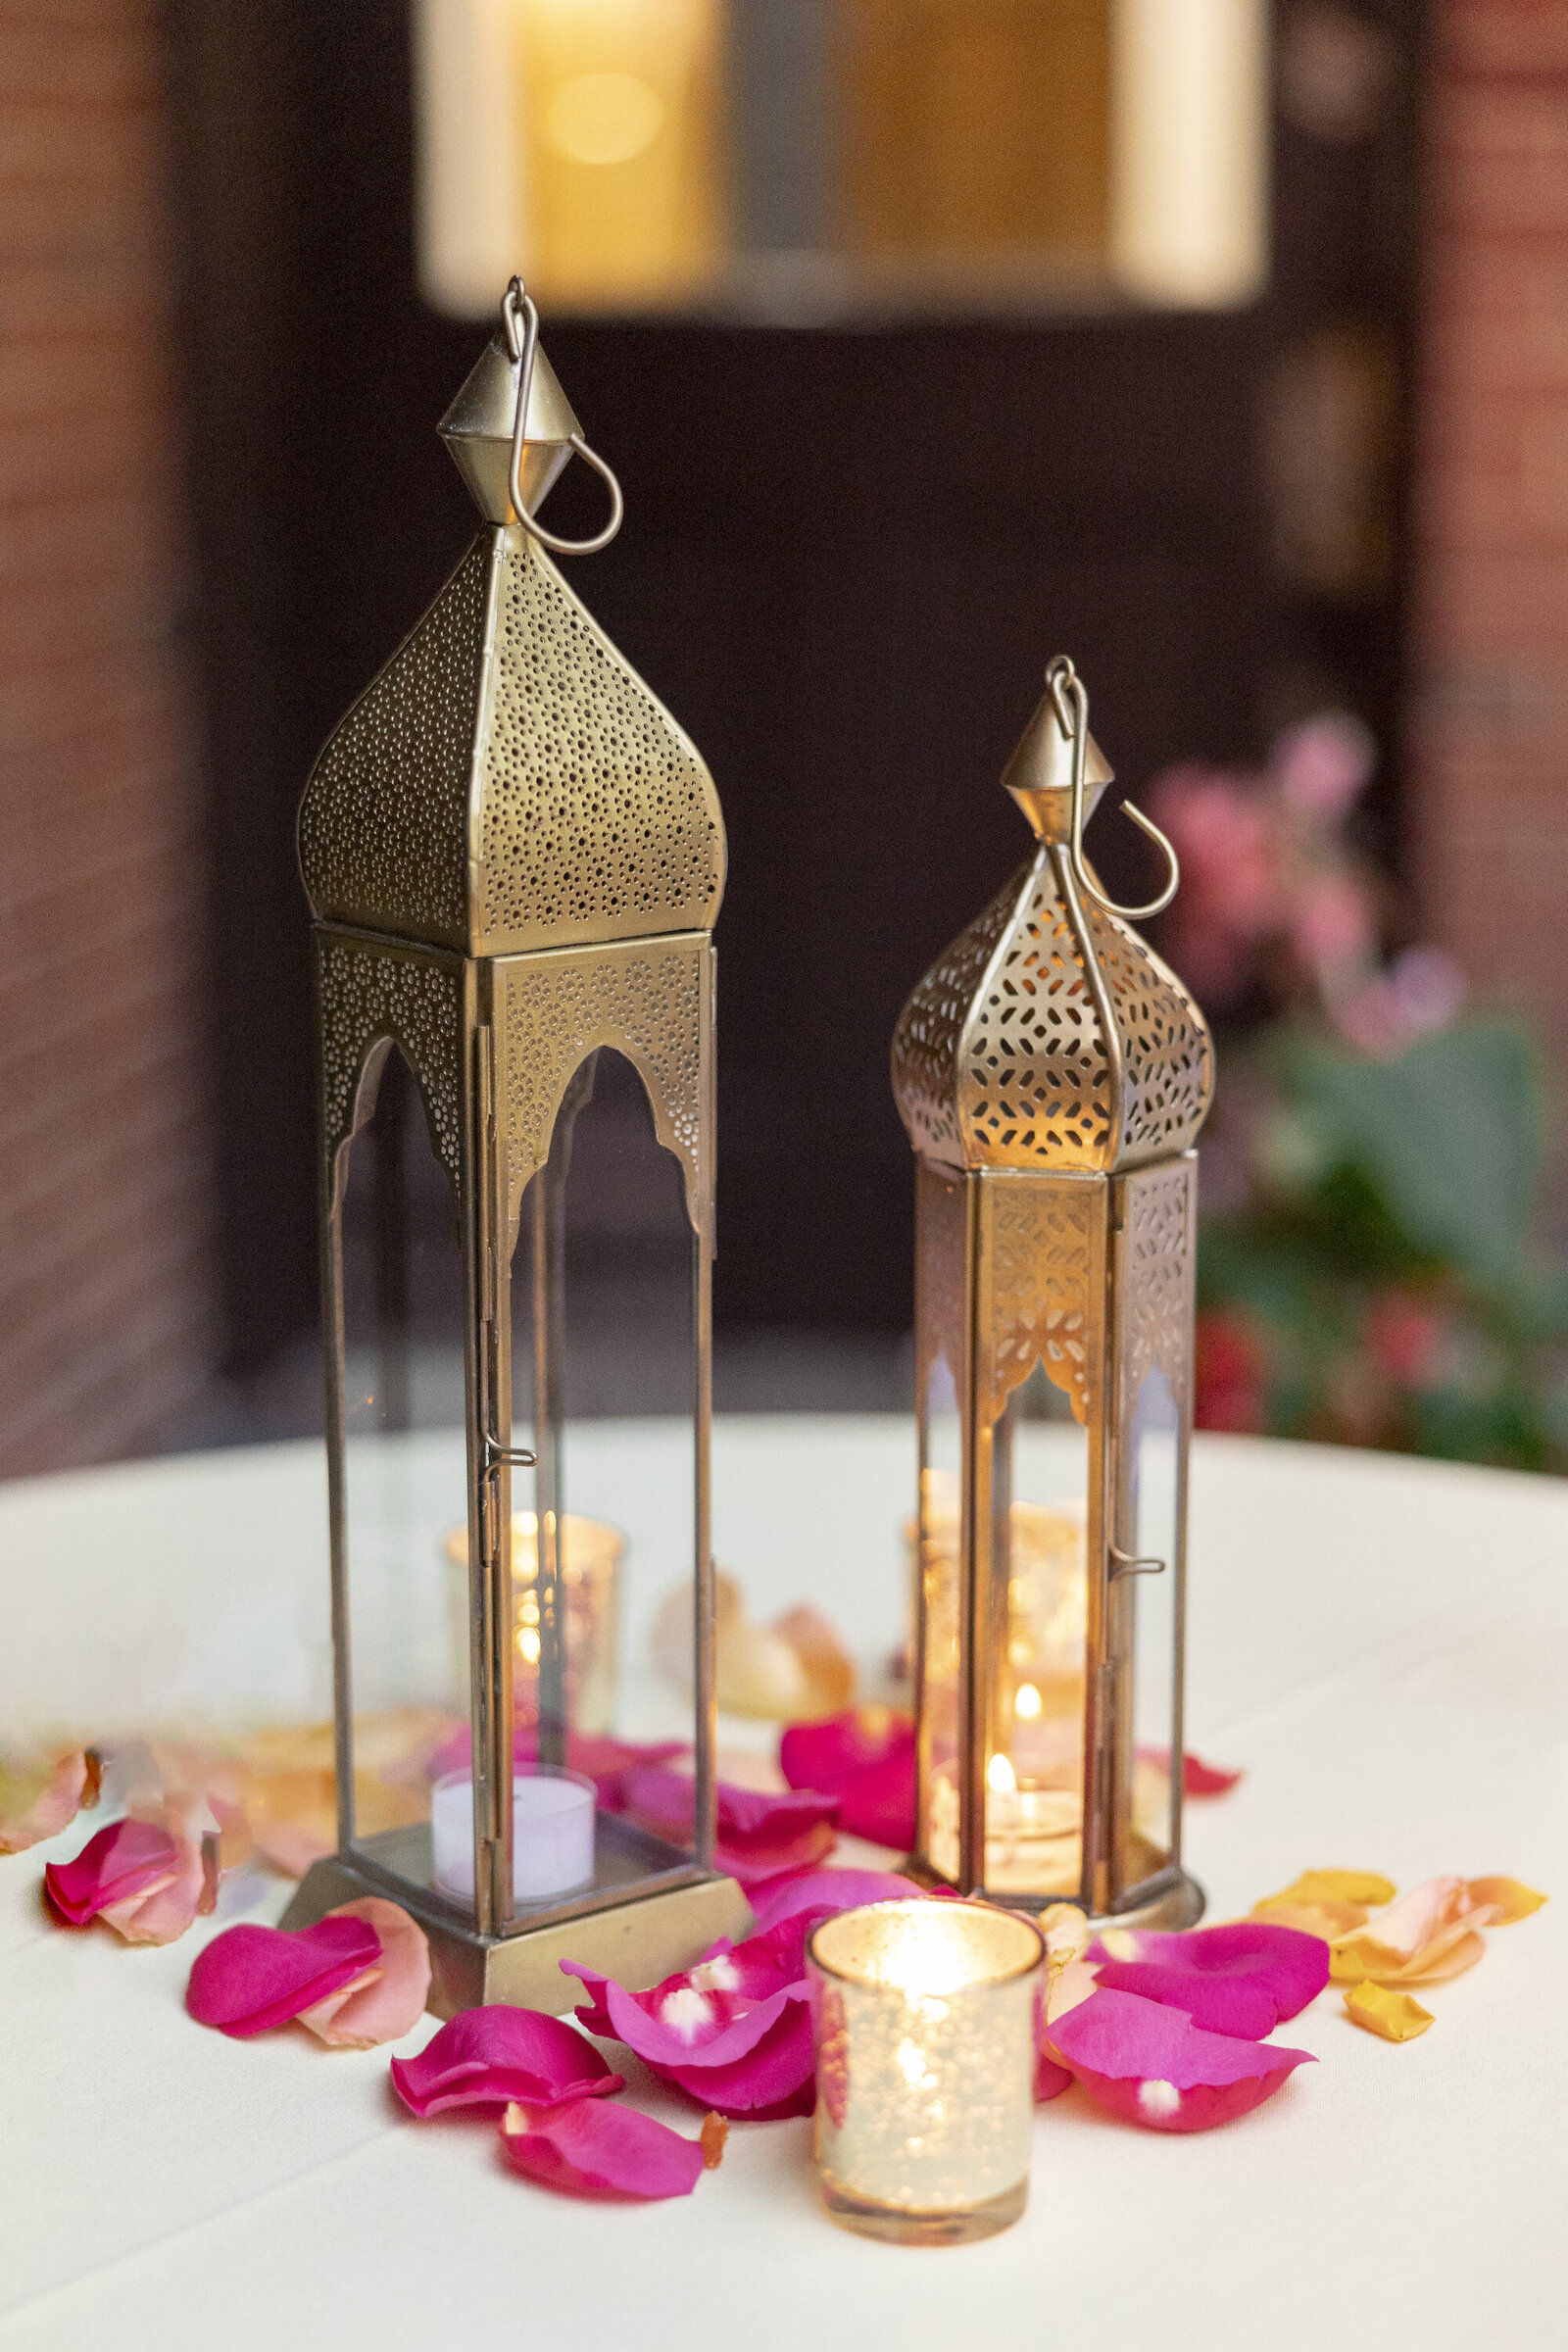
{"points": [[515, 858], [1052, 1073]]}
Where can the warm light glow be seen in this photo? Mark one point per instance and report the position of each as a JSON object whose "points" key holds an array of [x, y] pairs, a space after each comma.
{"points": [[528, 1645], [603, 118], [925, 1951], [1026, 1703], [1001, 1779]]}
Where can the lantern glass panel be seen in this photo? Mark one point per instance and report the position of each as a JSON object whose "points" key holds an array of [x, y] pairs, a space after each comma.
{"points": [[940, 1619], [405, 1476], [1149, 1632], [1035, 1754], [603, 1390]]}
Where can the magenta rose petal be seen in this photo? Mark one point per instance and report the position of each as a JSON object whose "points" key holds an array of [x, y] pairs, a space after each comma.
{"points": [[866, 1759], [388, 2001], [126, 1859], [1198, 1779], [596, 2150], [490, 2057], [250, 1979], [826, 1891], [759, 1836], [739, 2057], [1051, 2079], [1152, 2066], [1244, 1978]]}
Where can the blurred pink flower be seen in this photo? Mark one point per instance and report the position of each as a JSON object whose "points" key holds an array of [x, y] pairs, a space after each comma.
{"points": [[1405, 1339], [1332, 923], [1324, 764], [1224, 834]]}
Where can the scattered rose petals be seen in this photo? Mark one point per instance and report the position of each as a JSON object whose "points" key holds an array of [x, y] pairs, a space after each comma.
{"points": [[490, 2057], [1397, 2016], [759, 1835], [824, 1891], [251, 1978], [1152, 2066], [606, 1761], [40, 1802], [127, 1859], [866, 1759], [1243, 1979], [1326, 1902], [388, 2001], [1197, 1778], [597, 2150]]}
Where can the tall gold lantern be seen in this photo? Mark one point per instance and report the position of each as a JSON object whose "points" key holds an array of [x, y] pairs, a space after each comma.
{"points": [[1053, 1075], [515, 859]]}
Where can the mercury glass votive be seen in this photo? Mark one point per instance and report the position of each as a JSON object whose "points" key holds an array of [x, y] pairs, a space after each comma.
{"points": [[925, 2016], [590, 1570]]}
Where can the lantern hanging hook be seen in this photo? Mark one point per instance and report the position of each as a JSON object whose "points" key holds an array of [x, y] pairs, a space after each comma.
{"points": [[519, 316], [1069, 698]]}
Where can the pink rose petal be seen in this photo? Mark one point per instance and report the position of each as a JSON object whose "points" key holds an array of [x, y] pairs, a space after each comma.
{"points": [[250, 1979], [388, 2001], [1051, 2079], [866, 1759], [1246, 1978], [607, 1762], [53, 1809], [1197, 1778], [1152, 2066], [827, 1891], [596, 2150], [759, 1835], [129, 1858], [489, 2057]]}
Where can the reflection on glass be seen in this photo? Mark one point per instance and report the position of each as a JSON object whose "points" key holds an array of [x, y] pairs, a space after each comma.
{"points": [[405, 1464], [1142, 1635]]}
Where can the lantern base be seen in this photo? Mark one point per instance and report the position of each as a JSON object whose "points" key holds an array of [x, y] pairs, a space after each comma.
{"points": [[637, 1943], [1174, 1899]]}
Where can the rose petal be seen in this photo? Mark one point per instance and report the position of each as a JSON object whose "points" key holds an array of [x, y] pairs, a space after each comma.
{"points": [[251, 1978], [1051, 2079], [489, 2057], [160, 1913], [866, 1759], [827, 1891], [1243, 1979], [1366, 1887], [127, 1858], [1397, 2016], [1151, 2065], [759, 1835], [829, 1668], [597, 2150], [739, 2057], [1067, 1987], [41, 1804], [388, 2001], [1509, 1898], [1429, 1933], [1197, 1778]]}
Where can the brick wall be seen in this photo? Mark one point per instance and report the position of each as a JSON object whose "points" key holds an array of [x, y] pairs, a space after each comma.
{"points": [[1492, 620], [103, 1273]]}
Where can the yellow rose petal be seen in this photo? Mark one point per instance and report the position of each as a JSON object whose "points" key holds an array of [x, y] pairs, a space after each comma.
{"points": [[1328, 1920], [1514, 1898], [1336, 1887], [1395, 2016]]}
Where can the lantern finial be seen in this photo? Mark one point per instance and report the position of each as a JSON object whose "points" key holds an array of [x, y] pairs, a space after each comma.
{"points": [[1038, 775], [477, 429]]}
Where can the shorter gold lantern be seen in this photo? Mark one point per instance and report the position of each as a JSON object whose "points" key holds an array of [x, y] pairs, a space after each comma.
{"points": [[1053, 1075]]}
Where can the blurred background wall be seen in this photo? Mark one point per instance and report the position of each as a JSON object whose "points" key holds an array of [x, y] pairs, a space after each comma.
{"points": [[865, 505], [108, 1301]]}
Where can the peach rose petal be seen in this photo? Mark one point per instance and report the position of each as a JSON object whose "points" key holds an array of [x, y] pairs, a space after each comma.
{"points": [[1429, 1933], [1395, 2016], [1511, 1898], [594, 2148], [40, 1803], [388, 2001], [162, 1912]]}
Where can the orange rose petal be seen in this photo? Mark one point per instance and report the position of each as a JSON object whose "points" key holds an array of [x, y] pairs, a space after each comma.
{"points": [[1331, 1921], [1511, 1898], [1365, 1886], [1395, 2016]]}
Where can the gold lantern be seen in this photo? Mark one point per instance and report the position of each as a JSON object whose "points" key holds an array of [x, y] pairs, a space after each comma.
{"points": [[515, 859], [1053, 1075]]}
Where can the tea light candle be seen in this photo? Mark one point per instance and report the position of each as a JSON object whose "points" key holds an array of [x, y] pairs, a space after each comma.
{"points": [[552, 1833], [926, 2018]]}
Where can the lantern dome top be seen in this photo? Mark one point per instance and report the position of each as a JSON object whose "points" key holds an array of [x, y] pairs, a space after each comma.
{"points": [[1047, 1036], [508, 782]]}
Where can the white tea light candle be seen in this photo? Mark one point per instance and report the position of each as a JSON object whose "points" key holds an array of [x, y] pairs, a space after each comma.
{"points": [[926, 2018], [552, 1833]]}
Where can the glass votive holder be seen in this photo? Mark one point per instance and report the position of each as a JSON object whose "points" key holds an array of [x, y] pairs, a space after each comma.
{"points": [[925, 2016], [590, 1573], [553, 1814]]}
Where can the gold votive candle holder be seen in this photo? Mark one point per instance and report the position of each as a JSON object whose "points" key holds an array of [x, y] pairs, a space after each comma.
{"points": [[590, 1573], [926, 2022]]}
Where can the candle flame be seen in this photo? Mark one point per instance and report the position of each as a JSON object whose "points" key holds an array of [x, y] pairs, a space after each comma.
{"points": [[1026, 1703], [1000, 1777]]}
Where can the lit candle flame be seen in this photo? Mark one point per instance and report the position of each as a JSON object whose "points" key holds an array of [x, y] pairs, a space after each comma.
{"points": [[1000, 1778]]}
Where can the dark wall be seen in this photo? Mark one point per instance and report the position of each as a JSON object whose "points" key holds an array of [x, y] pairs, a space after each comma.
{"points": [[846, 560]]}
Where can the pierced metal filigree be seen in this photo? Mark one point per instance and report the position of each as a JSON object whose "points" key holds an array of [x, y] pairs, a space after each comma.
{"points": [[368, 994], [508, 782], [1002, 1056], [550, 1012], [1043, 1256]]}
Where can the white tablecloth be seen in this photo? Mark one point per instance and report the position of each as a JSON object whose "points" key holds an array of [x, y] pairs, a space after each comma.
{"points": [[1380, 1643]]}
